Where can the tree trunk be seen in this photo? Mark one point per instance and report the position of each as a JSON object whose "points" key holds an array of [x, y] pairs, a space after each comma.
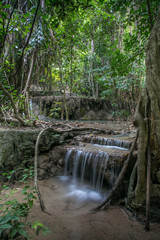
{"points": [[147, 119], [27, 87]]}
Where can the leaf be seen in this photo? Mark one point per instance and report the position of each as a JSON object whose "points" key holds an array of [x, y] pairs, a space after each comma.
{"points": [[3, 14], [25, 189], [30, 202], [23, 233], [15, 218], [13, 233], [10, 202], [5, 219], [6, 6], [6, 226]]}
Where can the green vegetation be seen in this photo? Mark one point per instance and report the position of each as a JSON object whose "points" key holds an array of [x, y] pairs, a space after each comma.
{"points": [[88, 48], [14, 212]]}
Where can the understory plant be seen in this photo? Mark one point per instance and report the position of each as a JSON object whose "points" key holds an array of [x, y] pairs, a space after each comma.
{"points": [[14, 212]]}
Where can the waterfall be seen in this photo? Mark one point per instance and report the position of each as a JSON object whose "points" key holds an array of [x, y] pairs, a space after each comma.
{"points": [[112, 142], [88, 167], [67, 162]]}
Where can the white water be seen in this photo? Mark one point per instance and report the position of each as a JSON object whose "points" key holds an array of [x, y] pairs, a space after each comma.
{"points": [[107, 146], [109, 142], [86, 183], [82, 193]]}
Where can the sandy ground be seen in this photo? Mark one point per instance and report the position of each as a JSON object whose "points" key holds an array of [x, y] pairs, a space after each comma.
{"points": [[70, 218]]}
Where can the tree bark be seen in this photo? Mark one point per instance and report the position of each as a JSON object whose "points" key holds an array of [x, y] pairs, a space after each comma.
{"points": [[149, 13], [27, 87], [147, 119], [29, 74]]}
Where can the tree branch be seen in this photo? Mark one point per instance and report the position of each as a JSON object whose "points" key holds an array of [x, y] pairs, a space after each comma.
{"points": [[6, 32], [29, 36], [14, 106], [149, 13]]}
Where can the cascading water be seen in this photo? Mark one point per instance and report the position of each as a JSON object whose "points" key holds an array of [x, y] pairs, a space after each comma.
{"points": [[67, 161], [86, 171], [85, 168], [109, 142]]}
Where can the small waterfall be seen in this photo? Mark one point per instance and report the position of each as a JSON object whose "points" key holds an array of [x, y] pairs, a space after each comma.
{"points": [[77, 165], [67, 162], [88, 167], [108, 142]]}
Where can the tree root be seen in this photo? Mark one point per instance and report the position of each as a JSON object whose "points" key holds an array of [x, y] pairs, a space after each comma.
{"points": [[131, 186], [118, 180], [71, 128], [35, 168], [9, 120]]}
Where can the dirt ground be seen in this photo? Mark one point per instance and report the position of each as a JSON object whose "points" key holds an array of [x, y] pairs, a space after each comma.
{"points": [[70, 219]]}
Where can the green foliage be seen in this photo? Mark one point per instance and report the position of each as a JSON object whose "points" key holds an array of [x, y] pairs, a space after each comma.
{"points": [[27, 175], [56, 111], [13, 211], [108, 94], [89, 48], [39, 227], [121, 114]]}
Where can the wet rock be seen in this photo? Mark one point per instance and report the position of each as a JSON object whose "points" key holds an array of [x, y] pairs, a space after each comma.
{"points": [[61, 162], [78, 108], [53, 171], [17, 147], [42, 174]]}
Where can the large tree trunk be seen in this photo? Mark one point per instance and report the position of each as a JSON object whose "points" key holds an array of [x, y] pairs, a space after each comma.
{"points": [[147, 119]]}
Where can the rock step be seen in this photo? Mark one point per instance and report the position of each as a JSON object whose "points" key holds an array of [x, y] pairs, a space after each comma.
{"points": [[110, 141]]}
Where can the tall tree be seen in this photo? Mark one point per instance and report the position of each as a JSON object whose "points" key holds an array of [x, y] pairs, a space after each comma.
{"points": [[147, 119]]}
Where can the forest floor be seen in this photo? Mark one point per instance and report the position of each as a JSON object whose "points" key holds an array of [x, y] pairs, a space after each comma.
{"points": [[70, 218]]}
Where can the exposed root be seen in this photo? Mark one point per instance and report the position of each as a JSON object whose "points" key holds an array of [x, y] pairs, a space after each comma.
{"points": [[8, 120], [69, 128], [35, 168]]}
